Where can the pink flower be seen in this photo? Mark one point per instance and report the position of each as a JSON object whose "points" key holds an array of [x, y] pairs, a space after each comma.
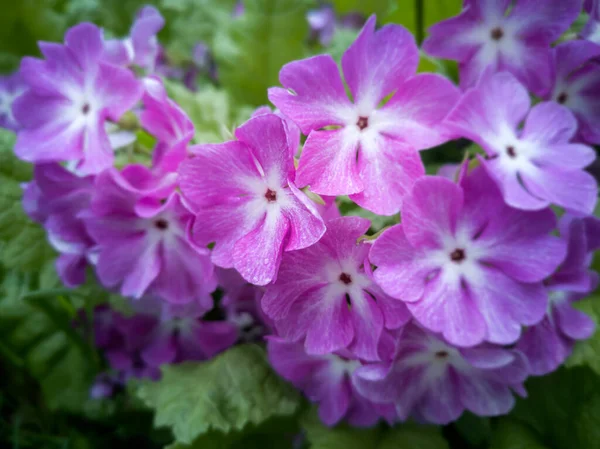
{"points": [[326, 294], [140, 226], [534, 166], [576, 85], [245, 200], [70, 96], [490, 36], [466, 264], [371, 151], [591, 31], [141, 47], [549, 343], [435, 382], [11, 87], [329, 381]]}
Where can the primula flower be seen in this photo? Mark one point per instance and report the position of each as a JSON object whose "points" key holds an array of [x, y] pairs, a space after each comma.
{"points": [[326, 293], [140, 226], [329, 381], [534, 166], [496, 35], [141, 47], [11, 87], [466, 264], [245, 200], [322, 24], [58, 199], [576, 85], [70, 96], [591, 31], [549, 343], [435, 382], [365, 151]]}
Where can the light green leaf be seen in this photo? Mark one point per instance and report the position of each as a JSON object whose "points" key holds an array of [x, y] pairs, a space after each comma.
{"points": [[251, 49], [224, 394], [587, 352], [510, 434], [379, 7]]}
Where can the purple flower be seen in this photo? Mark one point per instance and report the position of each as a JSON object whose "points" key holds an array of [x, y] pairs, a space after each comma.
{"points": [[435, 382], [245, 200], [106, 385], [11, 87], [166, 121], [140, 225], [591, 31], [322, 24], [57, 199], [371, 154], [466, 264], [577, 85], [534, 166], [141, 47], [549, 343], [329, 381], [494, 35], [326, 294], [71, 95]]}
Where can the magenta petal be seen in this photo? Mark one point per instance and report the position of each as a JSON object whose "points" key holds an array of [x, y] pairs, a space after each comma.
{"points": [[549, 123], [572, 322], [86, 42], [378, 62], [71, 269], [367, 320], [214, 337], [313, 94], [441, 404], [162, 350], [328, 162], [97, 152], [306, 226], [257, 255], [388, 170], [334, 405], [484, 397], [118, 89], [544, 348]]}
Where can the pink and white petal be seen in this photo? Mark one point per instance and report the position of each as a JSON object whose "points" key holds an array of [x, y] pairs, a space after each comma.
{"points": [[341, 238], [430, 212], [487, 357], [368, 323], [572, 322], [549, 124], [117, 89], [71, 269], [266, 137], [544, 348], [313, 95], [388, 170], [485, 397], [257, 255], [569, 156], [440, 403], [506, 304], [86, 42], [531, 64], [571, 55], [291, 361], [414, 114], [334, 405], [545, 21], [54, 142], [143, 272], [378, 62], [450, 39], [498, 102], [217, 172], [68, 76], [328, 162], [575, 190], [448, 308], [116, 52], [306, 226], [395, 312]]}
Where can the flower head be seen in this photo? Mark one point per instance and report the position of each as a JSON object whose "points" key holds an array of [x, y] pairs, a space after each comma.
{"points": [[71, 95], [534, 166], [591, 31], [140, 226], [366, 151], [329, 381], [435, 382], [466, 264], [11, 86], [490, 36], [245, 200], [325, 294]]}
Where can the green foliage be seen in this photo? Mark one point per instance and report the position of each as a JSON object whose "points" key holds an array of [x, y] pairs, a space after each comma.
{"points": [[379, 7], [251, 49], [378, 222], [225, 394], [587, 352], [510, 434]]}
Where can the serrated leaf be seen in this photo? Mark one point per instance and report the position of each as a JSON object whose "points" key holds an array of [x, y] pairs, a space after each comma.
{"points": [[251, 49], [510, 434], [225, 394], [563, 408], [587, 352]]}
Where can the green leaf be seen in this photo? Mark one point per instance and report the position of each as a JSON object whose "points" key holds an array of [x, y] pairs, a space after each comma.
{"points": [[211, 111], [251, 49], [413, 436], [475, 429], [40, 331], [510, 434], [379, 7], [587, 352], [224, 394], [348, 208], [563, 408], [404, 12]]}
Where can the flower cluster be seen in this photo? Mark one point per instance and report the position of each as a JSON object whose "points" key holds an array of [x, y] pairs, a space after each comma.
{"points": [[450, 309]]}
